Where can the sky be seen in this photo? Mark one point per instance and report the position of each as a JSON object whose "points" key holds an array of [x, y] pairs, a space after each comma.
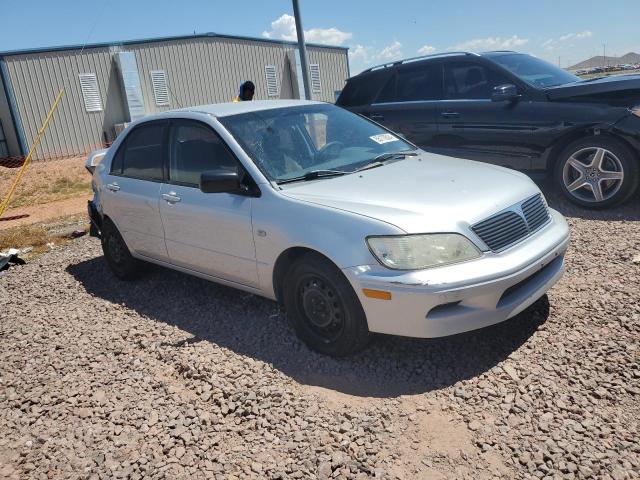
{"points": [[564, 32]]}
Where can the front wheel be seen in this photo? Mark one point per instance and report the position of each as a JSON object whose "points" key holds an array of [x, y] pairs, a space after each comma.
{"points": [[597, 172], [323, 308]]}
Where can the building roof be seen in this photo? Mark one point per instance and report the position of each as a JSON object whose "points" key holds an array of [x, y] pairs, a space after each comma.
{"points": [[160, 39], [233, 108]]}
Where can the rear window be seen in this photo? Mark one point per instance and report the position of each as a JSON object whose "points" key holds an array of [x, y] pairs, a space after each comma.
{"points": [[417, 83], [141, 155], [361, 91]]}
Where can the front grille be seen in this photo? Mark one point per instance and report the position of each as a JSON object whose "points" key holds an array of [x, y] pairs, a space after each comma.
{"points": [[515, 224], [535, 212]]}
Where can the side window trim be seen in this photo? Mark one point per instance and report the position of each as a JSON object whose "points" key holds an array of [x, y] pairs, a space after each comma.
{"points": [[170, 137], [122, 147]]}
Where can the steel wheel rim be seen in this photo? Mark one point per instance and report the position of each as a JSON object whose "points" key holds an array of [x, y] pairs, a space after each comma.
{"points": [[321, 306], [593, 174]]}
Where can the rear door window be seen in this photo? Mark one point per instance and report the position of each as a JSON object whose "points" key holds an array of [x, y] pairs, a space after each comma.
{"points": [[413, 83], [141, 156], [471, 81], [196, 148], [362, 91]]}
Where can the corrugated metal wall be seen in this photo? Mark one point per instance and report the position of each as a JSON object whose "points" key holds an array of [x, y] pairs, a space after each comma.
{"points": [[10, 136], [200, 70]]}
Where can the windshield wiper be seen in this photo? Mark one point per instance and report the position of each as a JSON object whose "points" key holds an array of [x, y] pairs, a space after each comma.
{"points": [[313, 175], [389, 155]]}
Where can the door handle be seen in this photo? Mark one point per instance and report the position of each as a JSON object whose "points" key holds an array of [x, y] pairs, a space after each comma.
{"points": [[376, 117], [114, 187], [171, 197], [450, 114]]}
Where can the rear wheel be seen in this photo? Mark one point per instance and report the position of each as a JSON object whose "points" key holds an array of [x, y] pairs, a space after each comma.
{"points": [[117, 254], [323, 308], [597, 172]]}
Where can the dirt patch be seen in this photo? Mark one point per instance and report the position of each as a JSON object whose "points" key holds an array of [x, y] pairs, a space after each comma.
{"points": [[14, 217], [42, 237], [45, 182]]}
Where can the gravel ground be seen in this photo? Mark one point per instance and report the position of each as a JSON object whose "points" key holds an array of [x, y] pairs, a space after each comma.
{"points": [[175, 377]]}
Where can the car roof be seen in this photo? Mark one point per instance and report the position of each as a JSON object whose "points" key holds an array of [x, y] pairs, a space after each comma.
{"points": [[435, 56], [234, 108]]}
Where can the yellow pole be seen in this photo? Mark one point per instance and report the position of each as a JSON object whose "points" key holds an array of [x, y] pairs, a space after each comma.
{"points": [[36, 142]]}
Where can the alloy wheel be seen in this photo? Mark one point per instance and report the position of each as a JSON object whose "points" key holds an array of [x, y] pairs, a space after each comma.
{"points": [[593, 174]]}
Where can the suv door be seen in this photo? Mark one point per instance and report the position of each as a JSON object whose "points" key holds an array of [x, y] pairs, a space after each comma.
{"points": [[408, 103], [471, 126], [132, 188], [209, 233]]}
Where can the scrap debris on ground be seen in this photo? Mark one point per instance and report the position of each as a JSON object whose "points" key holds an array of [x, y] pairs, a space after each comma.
{"points": [[174, 377]]}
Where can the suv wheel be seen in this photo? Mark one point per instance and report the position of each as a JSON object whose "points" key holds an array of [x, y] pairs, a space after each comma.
{"points": [[597, 172], [323, 308], [117, 254]]}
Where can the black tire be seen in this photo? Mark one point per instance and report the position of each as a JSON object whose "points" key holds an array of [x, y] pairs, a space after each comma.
{"points": [[117, 254], [323, 308], [617, 158]]}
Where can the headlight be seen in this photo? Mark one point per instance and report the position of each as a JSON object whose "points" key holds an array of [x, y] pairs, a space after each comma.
{"points": [[636, 110], [415, 252]]}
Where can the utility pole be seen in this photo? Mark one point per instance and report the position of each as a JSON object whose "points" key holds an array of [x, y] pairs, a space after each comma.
{"points": [[604, 54], [304, 61]]}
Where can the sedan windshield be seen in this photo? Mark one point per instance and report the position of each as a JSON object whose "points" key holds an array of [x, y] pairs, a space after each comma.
{"points": [[535, 71], [309, 142]]}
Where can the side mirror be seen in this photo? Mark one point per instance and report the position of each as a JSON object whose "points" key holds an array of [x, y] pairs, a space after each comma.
{"points": [[220, 181], [505, 93]]}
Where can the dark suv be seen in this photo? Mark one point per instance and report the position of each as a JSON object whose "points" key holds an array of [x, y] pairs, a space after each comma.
{"points": [[513, 110]]}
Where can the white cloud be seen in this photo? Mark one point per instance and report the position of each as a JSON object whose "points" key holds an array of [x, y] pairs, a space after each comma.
{"points": [[360, 53], [565, 40], [284, 28], [391, 52], [426, 50], [491, 43]]}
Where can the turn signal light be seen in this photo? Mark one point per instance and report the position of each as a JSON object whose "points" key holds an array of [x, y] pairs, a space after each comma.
{"points": [[379, 294]]}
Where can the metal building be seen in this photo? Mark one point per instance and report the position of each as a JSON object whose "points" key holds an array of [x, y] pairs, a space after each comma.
{"points": [[107, 85]]}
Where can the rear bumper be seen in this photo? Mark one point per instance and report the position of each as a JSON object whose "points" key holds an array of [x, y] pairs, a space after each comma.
{"points": [[467, 296], [95, 229]]}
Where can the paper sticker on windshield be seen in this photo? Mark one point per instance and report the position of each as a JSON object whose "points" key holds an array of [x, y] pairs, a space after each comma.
{"points": [[383, 138]]}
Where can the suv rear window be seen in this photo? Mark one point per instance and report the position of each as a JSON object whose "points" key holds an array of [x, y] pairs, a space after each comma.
{"points": [[412, 84], [361, 91]]}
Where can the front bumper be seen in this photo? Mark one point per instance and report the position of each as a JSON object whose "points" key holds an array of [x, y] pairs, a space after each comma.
{"points": [[466, 296]]}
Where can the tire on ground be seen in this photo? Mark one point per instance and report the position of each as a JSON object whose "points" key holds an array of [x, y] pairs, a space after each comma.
{"points": [[117, 254], [629, 164], [313, 281]]}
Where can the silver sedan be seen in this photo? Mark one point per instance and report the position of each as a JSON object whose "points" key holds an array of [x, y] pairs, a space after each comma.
{"points": [[350, 227]]}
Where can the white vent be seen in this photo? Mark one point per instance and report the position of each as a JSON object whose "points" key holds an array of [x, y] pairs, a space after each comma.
{"points": [[316, 86], [272, 80], [160, 88], [90, 92]]}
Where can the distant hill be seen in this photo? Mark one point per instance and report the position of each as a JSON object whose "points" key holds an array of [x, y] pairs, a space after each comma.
{"points": [[600, 61]]}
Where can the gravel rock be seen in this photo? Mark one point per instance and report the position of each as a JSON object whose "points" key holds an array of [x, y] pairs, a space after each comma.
{"points": [[174, 377]]}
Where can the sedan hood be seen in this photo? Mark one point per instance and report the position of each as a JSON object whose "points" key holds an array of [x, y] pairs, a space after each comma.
{"points": [[619, 87], [427, 193]]}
